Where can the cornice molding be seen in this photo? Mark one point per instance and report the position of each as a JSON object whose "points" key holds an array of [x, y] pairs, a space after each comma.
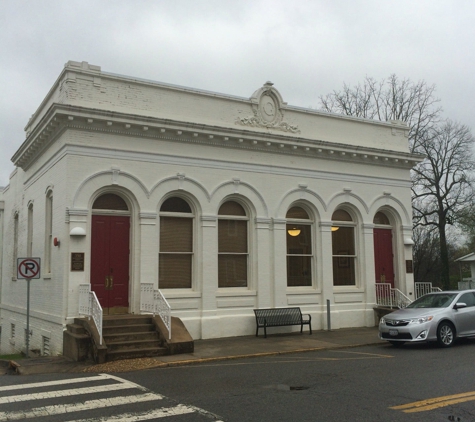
{"points": [[60, 118]]}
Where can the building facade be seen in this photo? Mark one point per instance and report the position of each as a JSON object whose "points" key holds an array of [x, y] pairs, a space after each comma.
{"points": [[225, 204]]}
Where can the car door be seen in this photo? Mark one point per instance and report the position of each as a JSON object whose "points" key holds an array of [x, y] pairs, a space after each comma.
{"points": [[465, 317]]}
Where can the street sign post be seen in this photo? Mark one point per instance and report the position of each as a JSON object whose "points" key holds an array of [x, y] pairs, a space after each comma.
{"points": [[28, 269]]}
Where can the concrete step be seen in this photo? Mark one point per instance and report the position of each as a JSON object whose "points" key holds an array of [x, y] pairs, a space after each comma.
{"points": [[118, 329], [110, 321], [76, 329], [135, 353], [133, 344], [131, 336]]}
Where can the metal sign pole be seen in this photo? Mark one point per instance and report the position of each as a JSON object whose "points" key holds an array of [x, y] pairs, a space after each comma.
{"points": [[28, 317], [28, 269]]}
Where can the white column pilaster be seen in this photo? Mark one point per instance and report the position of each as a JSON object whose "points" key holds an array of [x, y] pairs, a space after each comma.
{"points": [[147, 249], [327, 270], [367, 269], [406, 268], [209, 277], [262, 262], [280, 264]]}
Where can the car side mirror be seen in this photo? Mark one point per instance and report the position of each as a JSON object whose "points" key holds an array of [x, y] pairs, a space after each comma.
{"points": [[460, 305]]}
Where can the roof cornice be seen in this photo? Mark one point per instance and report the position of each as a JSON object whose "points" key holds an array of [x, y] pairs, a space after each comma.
{"points": [[62, 117]]}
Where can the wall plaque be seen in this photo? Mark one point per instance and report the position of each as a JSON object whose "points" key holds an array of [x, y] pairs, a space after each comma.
{"points": [[77, 261], [409, 268]]}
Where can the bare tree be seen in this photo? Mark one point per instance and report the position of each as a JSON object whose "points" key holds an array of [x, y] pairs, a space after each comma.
{"points": [[425, 254], [466, 223], [389, 99], [443, 184]]}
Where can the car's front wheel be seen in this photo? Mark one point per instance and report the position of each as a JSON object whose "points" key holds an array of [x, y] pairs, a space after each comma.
{"points": [[445, 334]]}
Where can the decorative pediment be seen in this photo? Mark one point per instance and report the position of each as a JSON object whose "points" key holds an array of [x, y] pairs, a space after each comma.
{"points": [[267, 107]]}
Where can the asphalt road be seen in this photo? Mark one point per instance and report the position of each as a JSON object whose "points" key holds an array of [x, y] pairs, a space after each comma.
{"points": [[357, 384], [372, 383]]}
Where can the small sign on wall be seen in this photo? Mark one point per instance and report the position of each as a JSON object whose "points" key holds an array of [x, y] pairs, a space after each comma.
{"points": [[77, 261], [409, 268]]}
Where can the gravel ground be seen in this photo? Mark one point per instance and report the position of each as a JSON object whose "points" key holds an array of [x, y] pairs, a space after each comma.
{"points": [[125, 365]]}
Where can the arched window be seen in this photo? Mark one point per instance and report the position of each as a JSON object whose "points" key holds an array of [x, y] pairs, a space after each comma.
{"points": [[110, 201], [29, 235], [232, 245], [381, 219], [343, 249], [299, 247], [15, 245], [176, 245], [48, 231]]}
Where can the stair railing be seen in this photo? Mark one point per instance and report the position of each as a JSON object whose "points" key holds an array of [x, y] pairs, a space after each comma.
{"points": [[89, 306], [152, 301], [422, 288], [386, 295]]}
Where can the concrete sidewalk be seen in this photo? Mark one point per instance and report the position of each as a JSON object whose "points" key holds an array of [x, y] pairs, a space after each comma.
{"points": [[208, 351]]}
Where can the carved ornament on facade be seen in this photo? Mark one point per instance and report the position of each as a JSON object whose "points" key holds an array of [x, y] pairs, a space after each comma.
{"points": [[267, 108]]}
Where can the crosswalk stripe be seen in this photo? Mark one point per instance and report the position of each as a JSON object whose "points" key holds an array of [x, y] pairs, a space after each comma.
{"points": [[38, 413], [78, 407], [51, 383], [63, 393], [181, 409]]}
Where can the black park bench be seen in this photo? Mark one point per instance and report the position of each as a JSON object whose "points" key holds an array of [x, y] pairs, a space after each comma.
{"points": [[279, 317]]}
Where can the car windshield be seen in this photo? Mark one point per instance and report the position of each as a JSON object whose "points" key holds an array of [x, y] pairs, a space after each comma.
{"points": [[433, 301]]}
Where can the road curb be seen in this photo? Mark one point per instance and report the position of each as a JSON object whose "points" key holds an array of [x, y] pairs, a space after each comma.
{"points": [[256, 355]]}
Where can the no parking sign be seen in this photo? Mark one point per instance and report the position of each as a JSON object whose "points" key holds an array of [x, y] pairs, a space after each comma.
{"points": [[28, 268]]}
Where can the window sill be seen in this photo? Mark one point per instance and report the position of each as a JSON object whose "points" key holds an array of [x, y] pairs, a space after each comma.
{"points": [[296, 290], [347, 289], [230, 291], [180, 293]]}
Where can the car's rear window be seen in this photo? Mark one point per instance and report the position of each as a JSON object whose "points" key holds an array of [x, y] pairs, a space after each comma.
{"points": [[433, 301]]}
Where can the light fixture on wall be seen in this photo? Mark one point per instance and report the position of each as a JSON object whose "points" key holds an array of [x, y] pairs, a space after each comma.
{"points": [[335, 228], [77, 231], [294, 232]]}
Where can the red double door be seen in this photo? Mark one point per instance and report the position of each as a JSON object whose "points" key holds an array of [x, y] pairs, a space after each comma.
{"points": [[110, 242], [383, 256]]}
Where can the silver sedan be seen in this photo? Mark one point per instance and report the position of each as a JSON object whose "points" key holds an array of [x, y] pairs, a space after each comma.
{"points": [[441, 317]]}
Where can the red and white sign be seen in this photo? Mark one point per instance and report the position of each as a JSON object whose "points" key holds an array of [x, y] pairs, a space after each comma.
{"points": [[28, 268]]}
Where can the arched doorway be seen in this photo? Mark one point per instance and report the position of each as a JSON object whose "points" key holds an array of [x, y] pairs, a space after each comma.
{"points": [[383, 249], [110, 245]]}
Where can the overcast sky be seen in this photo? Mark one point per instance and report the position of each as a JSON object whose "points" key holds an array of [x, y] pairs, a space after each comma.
{"points": [[306, 47]]}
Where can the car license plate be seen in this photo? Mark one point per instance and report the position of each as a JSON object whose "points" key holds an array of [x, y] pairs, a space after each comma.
{"points": [[393, 332]]}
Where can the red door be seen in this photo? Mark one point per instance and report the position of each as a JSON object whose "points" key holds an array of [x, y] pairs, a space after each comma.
{"points": [[110, 262], [383, 256]]}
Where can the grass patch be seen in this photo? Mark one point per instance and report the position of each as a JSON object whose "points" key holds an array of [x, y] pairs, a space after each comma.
{"points": [[18, 356]]}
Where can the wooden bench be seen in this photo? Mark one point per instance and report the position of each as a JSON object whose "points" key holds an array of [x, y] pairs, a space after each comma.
{"points": [[279, 317]]}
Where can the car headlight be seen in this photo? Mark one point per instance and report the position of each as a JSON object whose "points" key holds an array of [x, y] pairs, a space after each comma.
{"points": [[421, 320]]}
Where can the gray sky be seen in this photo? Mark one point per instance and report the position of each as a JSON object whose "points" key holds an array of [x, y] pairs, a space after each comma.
{"points": [[306, 47]]}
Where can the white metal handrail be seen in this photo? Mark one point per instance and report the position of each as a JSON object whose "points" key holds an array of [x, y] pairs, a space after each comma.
{"points": [[89, 306], [422, 288], [386, 295], [152, 301]]}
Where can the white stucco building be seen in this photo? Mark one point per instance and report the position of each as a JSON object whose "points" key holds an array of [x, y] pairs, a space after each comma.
{"points": [[226, 204]]}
